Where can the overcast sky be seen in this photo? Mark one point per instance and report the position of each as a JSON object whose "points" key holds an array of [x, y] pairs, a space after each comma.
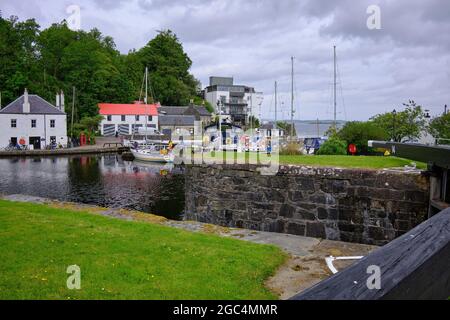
{"points": [[253, 40]]}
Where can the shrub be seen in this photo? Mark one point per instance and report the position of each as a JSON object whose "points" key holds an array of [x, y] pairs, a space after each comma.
{"points": [[291, 149], [333, 146], [359, 133]]}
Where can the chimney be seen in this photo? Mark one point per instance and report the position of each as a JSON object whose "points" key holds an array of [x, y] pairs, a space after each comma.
{"points": [[62, 107], [26, 102], [57, 100]]}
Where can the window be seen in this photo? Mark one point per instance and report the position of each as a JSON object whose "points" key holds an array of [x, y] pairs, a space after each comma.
{"points": [[123, 118], [33, 123], [13, 123], [52, 123], [150, 118], [137, 118], [109, 118]]}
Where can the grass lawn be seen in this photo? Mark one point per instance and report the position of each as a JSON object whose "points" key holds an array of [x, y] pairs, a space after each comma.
{"points": [[373, 162], [124, 259], [369, 162]]}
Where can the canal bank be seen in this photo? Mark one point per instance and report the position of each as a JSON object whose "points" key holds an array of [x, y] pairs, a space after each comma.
{"points": [[60, 152], [102, 145], [352, 205], [304, 267]]}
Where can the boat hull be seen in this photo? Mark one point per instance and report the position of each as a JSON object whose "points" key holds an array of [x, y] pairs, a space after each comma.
{"points": [[152, 156]]}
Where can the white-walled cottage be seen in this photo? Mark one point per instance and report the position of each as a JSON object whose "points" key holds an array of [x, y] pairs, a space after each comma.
{"points": [[126, 119], [32, 121]]}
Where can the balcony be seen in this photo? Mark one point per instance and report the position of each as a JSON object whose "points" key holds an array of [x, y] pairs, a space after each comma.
{"points": [[234, 102]]}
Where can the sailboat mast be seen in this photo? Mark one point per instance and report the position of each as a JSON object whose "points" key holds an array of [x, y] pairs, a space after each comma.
{"points": [[146, 101], [276, 102], [334, 89], [72, 113], [146, 85], [292, 97]]}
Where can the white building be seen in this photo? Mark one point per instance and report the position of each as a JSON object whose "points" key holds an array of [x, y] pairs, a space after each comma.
{"points": [[127, 119], [269, 130], [238, 102], [32, 121], [231, 135]]}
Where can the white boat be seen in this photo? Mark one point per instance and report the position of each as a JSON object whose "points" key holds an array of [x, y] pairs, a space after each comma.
{"points": [[153, 155]]}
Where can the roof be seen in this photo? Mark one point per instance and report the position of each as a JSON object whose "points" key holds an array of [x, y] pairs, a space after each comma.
{"points": [[183, 110], [170, 120], [169, 110], [128, 109], [203, 111], [267, 126], [37, 106]]}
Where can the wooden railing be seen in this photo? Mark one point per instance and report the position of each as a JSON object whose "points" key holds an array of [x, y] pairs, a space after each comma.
{"points": [[110, 144], [413, 266]]}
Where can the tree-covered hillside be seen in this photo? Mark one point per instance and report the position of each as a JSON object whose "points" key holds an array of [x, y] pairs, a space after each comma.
{"points": [[57, 58]]}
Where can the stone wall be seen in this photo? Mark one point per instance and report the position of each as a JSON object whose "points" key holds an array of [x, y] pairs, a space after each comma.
{"points": [[365, 206]]}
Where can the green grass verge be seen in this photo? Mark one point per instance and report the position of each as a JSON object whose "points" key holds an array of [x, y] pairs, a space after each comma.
{"points": [[124, 259], [371, 162], [363, 162]]}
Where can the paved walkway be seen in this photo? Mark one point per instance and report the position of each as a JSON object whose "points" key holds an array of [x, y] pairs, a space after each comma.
{"points": [[98, 147]]}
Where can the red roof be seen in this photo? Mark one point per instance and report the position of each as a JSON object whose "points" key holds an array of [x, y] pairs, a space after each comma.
{"points": [[128, 109]]}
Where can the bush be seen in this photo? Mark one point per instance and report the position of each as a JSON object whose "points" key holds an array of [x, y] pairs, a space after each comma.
{"points": [[359, 133], [333, 146], [291, 149]]}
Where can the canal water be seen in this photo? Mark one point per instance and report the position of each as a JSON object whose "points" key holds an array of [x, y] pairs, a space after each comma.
{"points": [[103, 180]]}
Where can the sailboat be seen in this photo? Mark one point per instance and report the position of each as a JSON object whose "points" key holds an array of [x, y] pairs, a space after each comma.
{"points": [[150, 151], [155, 153]]}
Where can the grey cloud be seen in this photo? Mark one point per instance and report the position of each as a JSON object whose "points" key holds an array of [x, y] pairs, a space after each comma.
{"points": [[408, 23], [212, 20], [253, 40], [110, 4]]}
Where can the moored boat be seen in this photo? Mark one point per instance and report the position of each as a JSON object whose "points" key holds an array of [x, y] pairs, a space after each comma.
{"points": [[153, 155]]}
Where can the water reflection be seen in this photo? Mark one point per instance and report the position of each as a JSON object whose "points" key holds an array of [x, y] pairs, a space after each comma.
{"points": [[104, 180]]}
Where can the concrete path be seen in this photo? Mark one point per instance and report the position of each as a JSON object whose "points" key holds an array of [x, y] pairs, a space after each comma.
{"points": [[98, 147]]}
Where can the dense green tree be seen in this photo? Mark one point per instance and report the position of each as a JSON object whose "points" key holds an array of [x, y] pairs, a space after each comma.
{"points": [[439, 128], [359, 133], [88, 125], [58, 58], [52, 44], [18, 56], [91, 68], [405, 125], [169, 66]]}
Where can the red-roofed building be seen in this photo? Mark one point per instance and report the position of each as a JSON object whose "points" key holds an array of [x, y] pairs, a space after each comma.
{"points": [[127, 119]]}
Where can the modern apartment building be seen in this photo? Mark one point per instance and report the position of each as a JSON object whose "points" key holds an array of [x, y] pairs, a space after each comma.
{"points": [[236, 102]]}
